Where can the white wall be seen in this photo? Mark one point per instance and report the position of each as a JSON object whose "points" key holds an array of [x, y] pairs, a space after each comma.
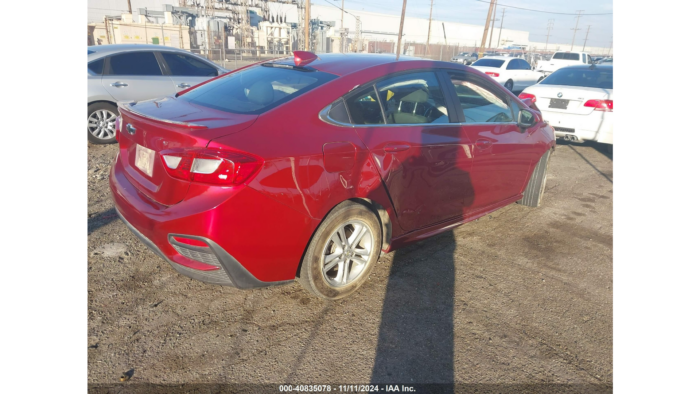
{"points": [[97, 9]]}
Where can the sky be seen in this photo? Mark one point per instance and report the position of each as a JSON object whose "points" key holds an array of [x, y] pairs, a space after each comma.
{"points": [[474, 12]]}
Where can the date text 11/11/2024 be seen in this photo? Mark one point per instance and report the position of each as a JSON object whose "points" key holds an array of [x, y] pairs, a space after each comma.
{"points": [[348, 388]]}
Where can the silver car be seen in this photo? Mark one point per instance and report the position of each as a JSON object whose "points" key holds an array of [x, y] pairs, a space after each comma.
{"points": [[136, 72], [465, 58]]}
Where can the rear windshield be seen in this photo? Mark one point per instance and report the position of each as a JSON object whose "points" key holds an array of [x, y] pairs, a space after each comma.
{"points": [[583, 77], [256, 90], [565, 56], [488, 63]]}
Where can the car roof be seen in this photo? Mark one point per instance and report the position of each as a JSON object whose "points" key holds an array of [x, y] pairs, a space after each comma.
{"points": [[346, 63], [497, 57], [98, 51]]}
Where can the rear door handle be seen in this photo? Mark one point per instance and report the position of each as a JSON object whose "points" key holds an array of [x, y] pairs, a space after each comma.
{"points": [[119, 84], [395, 148], [483, 144], [183, 85]]}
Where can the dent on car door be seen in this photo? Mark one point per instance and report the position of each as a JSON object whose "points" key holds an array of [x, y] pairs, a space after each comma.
{"points": [[135, 76], [502, 152], [422, 158], [186, 70]]}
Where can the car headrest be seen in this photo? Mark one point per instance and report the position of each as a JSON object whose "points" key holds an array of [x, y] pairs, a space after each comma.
{"points": [[261, 92], [418, 96]]}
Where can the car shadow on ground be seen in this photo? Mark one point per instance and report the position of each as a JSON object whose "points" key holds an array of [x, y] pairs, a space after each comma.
{"points": [[601, 148], [416, 334], [101, 219]]}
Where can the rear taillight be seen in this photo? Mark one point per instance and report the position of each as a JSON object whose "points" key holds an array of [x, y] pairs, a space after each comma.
{"points": [[493, 74], [600, 105], [523, 96], [215, 167]]}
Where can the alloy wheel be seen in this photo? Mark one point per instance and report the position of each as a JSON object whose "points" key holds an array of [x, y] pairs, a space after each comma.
{"points": [[101, 124], [347, 253]]}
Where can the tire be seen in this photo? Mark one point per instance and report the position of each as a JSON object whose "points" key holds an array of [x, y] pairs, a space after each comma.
{"points": [[336, 283], [509, 85], [532, 196], [101, 119]]}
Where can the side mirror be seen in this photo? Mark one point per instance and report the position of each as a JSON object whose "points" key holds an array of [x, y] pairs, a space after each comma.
{"points": [[526, 119]]}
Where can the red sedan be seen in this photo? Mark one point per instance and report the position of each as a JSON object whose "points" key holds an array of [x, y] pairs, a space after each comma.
{"points": [[310, 167]]}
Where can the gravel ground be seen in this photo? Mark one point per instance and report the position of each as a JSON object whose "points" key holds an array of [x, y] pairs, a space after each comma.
{"points": [[520, 296]]}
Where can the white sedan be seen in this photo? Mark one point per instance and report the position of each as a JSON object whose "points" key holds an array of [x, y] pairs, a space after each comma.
{"points": [[577, 102], [513, 73]]}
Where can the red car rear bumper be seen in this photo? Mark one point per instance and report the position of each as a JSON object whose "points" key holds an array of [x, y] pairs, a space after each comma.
{"points": [[238, 225]]}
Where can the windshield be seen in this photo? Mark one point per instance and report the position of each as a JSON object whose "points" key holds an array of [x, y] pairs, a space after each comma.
{"points": [[565, 56], [583, 77], [257, 89], [488, 63]]}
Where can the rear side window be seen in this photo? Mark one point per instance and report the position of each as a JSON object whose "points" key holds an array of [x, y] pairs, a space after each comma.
{"points": [[96, 66], [513, 65], [185, 65], [364, 107], [488, 63], [480, 103], [257, 89], [338, 112], [583, 77], [134, 63], [414, 98], [524, 65], [566, 56]]}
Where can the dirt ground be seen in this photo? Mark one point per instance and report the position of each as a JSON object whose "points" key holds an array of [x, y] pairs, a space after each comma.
{"points": [[521, 296]]}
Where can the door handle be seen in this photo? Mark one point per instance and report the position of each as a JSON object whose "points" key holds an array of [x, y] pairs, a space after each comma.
{"points": [[483, 144], [183, 85], [395, 148], [119, 84]]}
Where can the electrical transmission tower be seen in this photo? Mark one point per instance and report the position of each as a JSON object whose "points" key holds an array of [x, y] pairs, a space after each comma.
{"points": [[579, 12], [550, 26]]}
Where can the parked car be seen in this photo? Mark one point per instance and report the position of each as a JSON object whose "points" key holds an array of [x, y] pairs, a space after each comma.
{"points": [[466, 58], [136, 72], [563, 59], [513, 73], [578, 102], [309, 167]]}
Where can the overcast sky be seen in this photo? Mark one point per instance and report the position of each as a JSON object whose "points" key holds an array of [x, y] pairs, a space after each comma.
{"points": [[474, 12]]}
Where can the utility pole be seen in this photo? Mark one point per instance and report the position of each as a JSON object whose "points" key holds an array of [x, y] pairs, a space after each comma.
{"points": [[586, 39], [128, 2], [486, 30], [503, 15], [430, 22], [550, 26], [612, 44], [403, 13], [493, 22], [576, 28], [342, 32], [307, 22]]}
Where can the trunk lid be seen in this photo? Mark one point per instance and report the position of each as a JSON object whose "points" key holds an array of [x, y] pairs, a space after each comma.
{"points": [[577, 96], [150, 128]]}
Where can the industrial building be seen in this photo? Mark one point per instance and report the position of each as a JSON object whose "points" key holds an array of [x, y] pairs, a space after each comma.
{"points": [[269, 27]]}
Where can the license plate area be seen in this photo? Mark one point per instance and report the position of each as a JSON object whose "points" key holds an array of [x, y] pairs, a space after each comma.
{"points": [[144, 159], [558, 103]]}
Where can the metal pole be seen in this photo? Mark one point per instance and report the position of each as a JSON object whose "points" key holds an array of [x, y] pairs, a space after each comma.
{"points": [[307, 22], [486, 30], [503, 15], [493, 21], [342, 36], [403, 13], [576, 28], [128, 2], [162, 35], [430, 22]]}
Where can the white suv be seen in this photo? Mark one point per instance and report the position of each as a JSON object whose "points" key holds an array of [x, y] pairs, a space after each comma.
{"points": [[563, 59]]}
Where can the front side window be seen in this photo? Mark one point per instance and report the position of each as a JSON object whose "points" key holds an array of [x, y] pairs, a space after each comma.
{"points": [[134, 63], [566, 56], [524, 65], [414, 98], [257, 89], [480, 103], [185, 65], [364, 107]]}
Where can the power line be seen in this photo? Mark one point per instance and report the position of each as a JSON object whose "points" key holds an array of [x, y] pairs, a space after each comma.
{"points": [[546, 12]]}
